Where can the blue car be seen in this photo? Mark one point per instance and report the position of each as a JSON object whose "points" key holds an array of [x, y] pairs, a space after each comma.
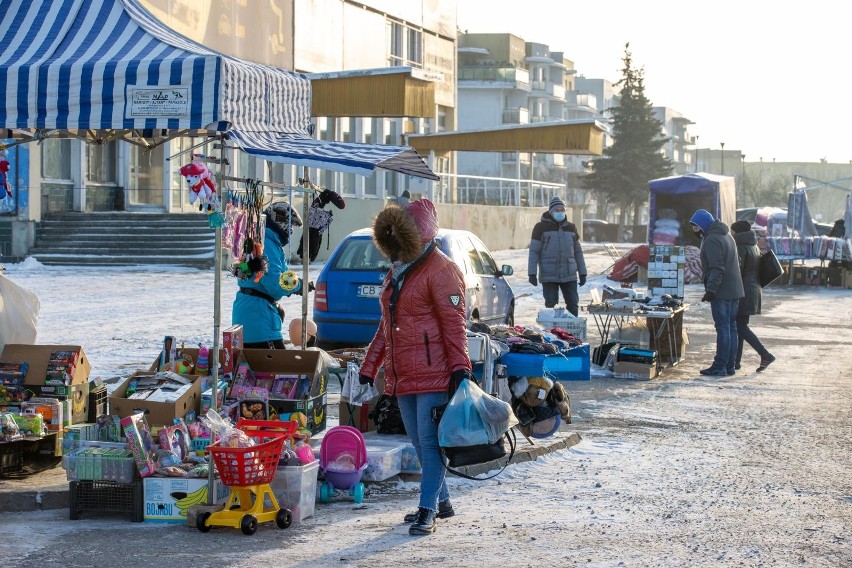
{"points": [[346, 300]]}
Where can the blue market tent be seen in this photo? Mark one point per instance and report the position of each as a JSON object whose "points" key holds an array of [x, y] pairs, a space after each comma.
{"points": [[682, 195], [102, 70]]}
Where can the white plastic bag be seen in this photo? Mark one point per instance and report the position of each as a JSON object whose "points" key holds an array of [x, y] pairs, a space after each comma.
{"points": [[496, 414], [18, 314], [353, 391]]}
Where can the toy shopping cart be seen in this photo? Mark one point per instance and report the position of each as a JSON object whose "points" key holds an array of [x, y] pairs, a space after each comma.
{"points": [[248, 471], [343, 457]]}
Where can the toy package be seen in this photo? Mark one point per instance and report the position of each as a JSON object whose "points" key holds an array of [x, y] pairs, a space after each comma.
{"points": [[108, 428], [139, 440], [30, 424], [9, 430], [175, 439]]}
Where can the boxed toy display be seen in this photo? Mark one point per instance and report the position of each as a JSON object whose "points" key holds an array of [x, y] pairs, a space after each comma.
{"points": [[232, 344], [139, 440], [57, 365], [160, 411]]}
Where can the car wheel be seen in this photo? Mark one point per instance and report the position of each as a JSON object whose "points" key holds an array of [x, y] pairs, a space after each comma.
{"points": [[510, 317]]}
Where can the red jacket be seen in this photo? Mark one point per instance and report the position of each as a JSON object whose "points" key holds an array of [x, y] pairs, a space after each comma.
{"points": [[421, 337]]}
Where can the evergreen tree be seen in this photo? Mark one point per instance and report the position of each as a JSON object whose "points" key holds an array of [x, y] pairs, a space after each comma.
{"points": [[636, 156]]}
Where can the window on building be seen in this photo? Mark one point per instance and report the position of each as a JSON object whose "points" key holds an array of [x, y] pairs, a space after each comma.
{"points": [[405, 45], [56, 159], [101, 162]]}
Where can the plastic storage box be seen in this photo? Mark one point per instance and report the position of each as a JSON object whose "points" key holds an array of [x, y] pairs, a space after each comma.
{"points": [[562, 318], [571, 365], [383, 461], [107, 464], [295, 487]]}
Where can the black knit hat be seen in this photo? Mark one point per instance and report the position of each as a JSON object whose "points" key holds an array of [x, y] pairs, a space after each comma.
{"points": [[741, 227]]}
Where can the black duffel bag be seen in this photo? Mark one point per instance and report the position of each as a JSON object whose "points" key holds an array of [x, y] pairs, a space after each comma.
{"points": [[461, 456]]}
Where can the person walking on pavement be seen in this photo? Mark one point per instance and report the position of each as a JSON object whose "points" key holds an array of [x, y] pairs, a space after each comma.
{"points": [[723, 288], [421, 341], [749, 256], [556, 258]]}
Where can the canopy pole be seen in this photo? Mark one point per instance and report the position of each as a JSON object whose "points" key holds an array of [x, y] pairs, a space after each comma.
{"points": [[214, 354], [306, 255], [191, 148]]}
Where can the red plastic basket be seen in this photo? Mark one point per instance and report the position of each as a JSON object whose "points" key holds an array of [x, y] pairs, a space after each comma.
{"points": [[244, 467]]}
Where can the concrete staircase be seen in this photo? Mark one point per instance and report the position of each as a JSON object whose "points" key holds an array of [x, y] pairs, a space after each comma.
{"points": [[122, 239]]}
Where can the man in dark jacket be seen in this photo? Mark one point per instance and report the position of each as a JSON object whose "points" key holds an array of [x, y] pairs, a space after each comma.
{"points": [[750, 305], [556, 258], [723, 288]]}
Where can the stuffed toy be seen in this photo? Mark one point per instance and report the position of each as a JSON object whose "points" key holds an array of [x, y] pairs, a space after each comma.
{"points": [[4, 179], [201, 185]]}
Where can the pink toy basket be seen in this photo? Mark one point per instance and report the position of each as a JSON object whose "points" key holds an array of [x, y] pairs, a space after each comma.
{"points": [[343, 457]]}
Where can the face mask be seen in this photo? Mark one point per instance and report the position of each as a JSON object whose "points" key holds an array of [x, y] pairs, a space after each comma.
{"points": [[558, 217]]}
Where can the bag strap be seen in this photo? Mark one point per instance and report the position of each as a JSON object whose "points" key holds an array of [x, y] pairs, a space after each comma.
{"points": [[512, 444]]}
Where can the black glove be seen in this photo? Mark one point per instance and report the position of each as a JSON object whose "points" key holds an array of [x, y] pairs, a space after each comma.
{"points": [[456, 377], [365, 380], [708, 297], [311, 288], [533, 280], [582, 280]]}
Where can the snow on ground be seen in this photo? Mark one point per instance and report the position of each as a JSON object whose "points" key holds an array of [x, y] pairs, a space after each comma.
{"points": [[750, 470]]}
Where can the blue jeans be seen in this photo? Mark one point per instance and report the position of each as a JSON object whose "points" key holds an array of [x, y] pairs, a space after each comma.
{"points": [[745, 334], [550, 291], [416, 410], [725, 319]]}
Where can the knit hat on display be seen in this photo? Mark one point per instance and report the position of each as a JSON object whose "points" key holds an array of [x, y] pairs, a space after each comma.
{"points": [[741, 227], [555, 202], [702, 219]]}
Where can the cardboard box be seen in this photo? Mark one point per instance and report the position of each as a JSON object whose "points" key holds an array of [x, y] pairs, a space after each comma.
{"points": [[157, 413], [294, 362], [37, 358], [168, 499], [76, 395], [627, 370]]}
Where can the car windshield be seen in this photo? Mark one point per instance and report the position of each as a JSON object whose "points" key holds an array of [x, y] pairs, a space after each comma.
{"points": [[360, 254]]}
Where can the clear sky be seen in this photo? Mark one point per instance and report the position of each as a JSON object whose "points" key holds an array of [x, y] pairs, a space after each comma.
{"points": [[771, 79]]}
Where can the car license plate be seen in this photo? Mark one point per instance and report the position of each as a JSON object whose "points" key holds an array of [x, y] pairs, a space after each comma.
{"points": [[369, 290]]}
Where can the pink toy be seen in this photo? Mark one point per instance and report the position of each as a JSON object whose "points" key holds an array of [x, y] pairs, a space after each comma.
{"points": [[200, 183], [4, 178], [343, 457]]}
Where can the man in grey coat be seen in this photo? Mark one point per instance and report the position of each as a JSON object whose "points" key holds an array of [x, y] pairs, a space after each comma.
{"points": [[723, 288], [556, 258]]}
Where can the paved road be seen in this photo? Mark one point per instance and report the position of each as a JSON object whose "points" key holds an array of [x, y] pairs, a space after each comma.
{"points": [[750, 470]]}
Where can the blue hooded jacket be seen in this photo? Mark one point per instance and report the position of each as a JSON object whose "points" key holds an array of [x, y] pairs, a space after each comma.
{"points": [[260, 318]]}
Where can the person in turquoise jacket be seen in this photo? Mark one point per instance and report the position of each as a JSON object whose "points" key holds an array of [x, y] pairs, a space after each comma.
{"points": [[256, 304]]}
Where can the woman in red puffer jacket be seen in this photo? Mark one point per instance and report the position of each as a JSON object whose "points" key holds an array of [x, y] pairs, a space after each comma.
{"points": [[421, 340]]}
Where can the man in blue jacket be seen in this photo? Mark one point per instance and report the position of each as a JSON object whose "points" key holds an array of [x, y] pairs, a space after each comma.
{"points": [[556, 257], [723, 288]]}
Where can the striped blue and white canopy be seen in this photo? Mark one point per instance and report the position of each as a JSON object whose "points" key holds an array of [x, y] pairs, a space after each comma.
{"points": [[111, 65], [79, 65], [354, 158]]}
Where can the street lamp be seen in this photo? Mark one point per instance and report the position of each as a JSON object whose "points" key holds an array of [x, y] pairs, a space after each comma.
{"points": [[723, 158], [742, 191]]}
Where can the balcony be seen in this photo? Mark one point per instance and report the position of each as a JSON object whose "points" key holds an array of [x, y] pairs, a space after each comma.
{"points": [[557, 91], [492, 74], [517, 115]]}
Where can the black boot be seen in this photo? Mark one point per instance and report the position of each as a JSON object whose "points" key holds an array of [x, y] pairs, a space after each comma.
{"points": [[445, 511], [424, 524]]}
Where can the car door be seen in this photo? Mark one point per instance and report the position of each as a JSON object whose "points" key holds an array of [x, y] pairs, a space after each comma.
{"points": [[496, 287], [453, 246]]}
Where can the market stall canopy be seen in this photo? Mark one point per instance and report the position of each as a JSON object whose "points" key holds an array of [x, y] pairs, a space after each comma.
{"points": [[103, 70], [580, 137], [359, 159], [109, 65], [683, 195]]}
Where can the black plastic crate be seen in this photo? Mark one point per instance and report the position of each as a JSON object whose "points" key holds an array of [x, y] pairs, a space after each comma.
{"points": [[11, 457], [97, 402], [107, 497]]}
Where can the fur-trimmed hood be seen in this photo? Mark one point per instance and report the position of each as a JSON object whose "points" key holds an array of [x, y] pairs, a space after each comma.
{"points": [[401, 232]]}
